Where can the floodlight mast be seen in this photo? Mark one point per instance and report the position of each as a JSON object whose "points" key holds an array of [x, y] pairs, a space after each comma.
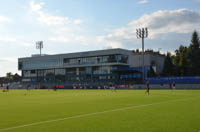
{"points": [[39, 45], [142, 33]]}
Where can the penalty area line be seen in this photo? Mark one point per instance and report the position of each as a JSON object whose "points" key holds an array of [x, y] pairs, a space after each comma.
{"points": [[91, 114]]}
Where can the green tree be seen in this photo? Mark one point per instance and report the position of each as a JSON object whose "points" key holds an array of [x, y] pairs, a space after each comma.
{"points": [[180, 61], [9, 76], [194, 55], [168, 69], [183, 62], [16, 77]]}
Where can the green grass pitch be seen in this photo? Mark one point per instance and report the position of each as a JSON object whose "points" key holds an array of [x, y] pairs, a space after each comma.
{"points": [[100, 111]]}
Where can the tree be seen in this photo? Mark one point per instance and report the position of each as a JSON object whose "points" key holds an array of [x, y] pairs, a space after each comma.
{"points": [[180, 61], [194, 55], [183, 62], [186, 60], [16, 77], [168, 69], [9, 76]]}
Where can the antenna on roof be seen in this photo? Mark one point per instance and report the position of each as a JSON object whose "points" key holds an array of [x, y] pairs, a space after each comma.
{"points": [[39, 45]]}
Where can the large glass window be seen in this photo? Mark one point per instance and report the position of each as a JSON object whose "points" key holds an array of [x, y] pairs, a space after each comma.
{"points": [[101, 69], [88, 70], [96, 60], [71, 71], [124, 59], [40, 73], [20, 65], [49, 72], [82, 71], [29, 73], [112, 58], [42, 64], [26, 74], [59, 71]]}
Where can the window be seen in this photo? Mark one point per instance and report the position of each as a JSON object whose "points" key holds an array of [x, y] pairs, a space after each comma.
{"points": [[96, 59], [59, 71], [42, 64], [65, 60], [20, 66], [32, 71]]}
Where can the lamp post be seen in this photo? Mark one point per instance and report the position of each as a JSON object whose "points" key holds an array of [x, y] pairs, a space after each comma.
{"points": [[142, 33]]}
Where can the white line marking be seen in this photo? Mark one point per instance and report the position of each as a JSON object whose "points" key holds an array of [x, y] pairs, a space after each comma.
{"points": [[108, 104], [91, 114]]}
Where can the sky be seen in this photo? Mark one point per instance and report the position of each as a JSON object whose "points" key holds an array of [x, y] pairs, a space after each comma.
{"points": [[67, 26]]}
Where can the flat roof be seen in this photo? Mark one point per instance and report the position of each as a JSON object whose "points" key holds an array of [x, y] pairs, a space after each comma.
{"points": [[149, 53], [82, 54]]}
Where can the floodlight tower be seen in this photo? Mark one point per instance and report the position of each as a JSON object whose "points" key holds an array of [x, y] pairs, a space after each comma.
{"points": [[142, 33], [39, 45]]}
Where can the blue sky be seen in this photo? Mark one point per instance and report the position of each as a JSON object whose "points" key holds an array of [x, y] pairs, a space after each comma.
{"points": [[81, 25]]}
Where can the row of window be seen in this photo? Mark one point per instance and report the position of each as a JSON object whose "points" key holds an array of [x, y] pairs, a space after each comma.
{"points": [[96, 70], [55, 63], [40, 64], [96, 60], [41, 73], [83, 79]]}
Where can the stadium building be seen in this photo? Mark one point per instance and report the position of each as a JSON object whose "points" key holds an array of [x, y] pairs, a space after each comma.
{"points": [[92, 67], [151, 59]]}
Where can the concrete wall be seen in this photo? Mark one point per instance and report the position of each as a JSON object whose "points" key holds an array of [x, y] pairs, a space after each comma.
{"points": [[148, 58]]}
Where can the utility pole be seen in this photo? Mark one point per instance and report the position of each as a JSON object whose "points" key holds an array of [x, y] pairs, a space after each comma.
{"points": [[142, 33]]}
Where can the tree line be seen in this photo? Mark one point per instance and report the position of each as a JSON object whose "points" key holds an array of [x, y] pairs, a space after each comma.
{"points": [[10, 78], [185, 61]]}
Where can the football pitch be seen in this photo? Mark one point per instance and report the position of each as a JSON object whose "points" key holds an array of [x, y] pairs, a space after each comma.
{"points": [[100, 111]]}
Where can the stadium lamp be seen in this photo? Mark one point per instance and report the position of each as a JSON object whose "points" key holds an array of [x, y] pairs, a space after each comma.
{"points": [[142, 33], [39, 45]]}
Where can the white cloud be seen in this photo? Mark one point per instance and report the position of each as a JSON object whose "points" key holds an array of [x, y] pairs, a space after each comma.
{"points": [[78, 22], [164, 26], [8, 39], [8, 64], [4, 19], [36, 7], [161, 22], [66, 30], [143, 1], [48, 19], [27, 44], [60, 39], [108, 43], [79, 39], [83, 39], [9, 59], [61, 29], [114, 44]]}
